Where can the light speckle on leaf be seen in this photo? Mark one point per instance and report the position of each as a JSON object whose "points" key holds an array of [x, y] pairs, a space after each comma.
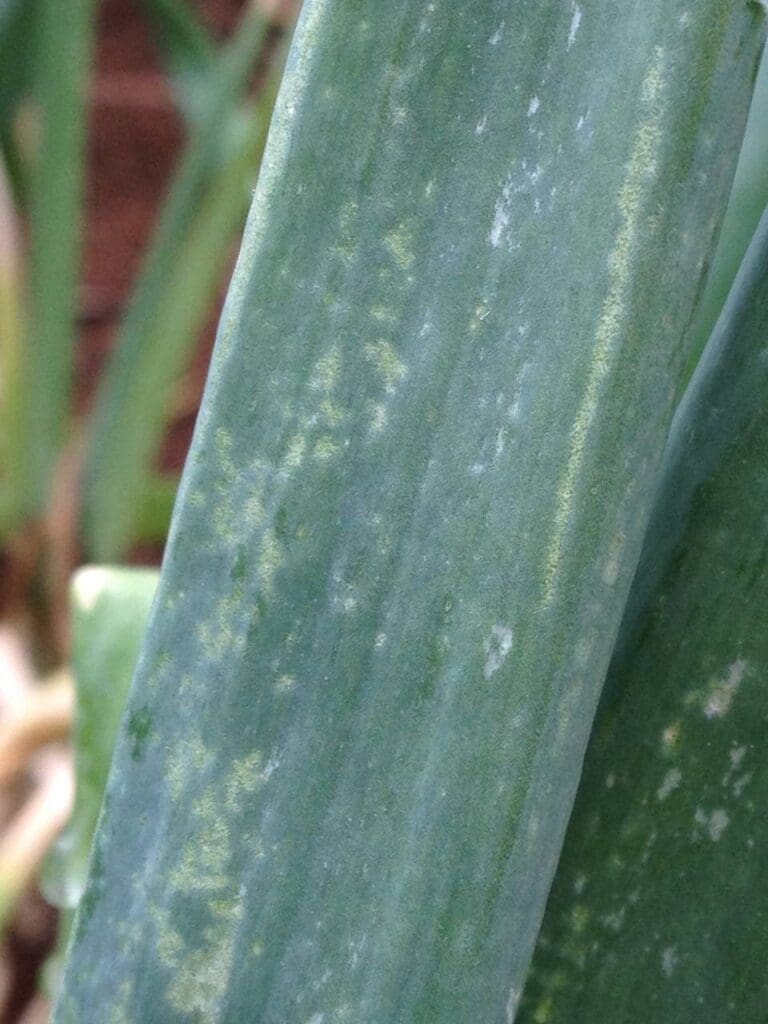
{"points": [[497, 647], [736, 756], [720, 697], [669, 783], [575, 23], [718, 822], [669, 960]]}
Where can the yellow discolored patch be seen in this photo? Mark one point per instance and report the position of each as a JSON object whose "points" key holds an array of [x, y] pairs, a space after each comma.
{"points": [[270, 559], [386, 363], [325, 448], [638, 180], [399, 242], [326, 372]]}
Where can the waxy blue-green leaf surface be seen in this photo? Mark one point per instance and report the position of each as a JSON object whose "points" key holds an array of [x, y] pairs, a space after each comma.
{"points": [[659, 909], [412, 510]]}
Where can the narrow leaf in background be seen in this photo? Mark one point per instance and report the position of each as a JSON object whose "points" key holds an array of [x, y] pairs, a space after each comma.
{"points": [[658, 911], [10, 350], [64, 37], [110, 608], [17, 20], [188, 51], [412, 510], [181, 273]]}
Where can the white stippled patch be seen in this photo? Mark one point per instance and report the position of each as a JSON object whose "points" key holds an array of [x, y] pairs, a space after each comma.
{"points": [[669, 960], [715, 823], [669, 783], [720, 696], [497, 647], [501, 216], [736, 756], [574, 27], [529, 183], [718, 822], [740, 783]]}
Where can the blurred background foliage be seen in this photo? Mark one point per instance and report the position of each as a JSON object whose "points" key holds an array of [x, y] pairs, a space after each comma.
{"points": [[130, 138], [131, 133]]}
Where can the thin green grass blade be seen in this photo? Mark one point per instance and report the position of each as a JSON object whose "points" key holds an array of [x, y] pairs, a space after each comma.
{"points": [[17, 18], [189, 52], [412, 510], [62, 62], [16, 30], [16, 169], [11, 453], [178, 281], [657, 911]]}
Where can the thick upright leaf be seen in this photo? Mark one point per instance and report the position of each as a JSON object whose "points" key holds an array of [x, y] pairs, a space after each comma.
{"points": [[658, 911], [412, 510], [110, 608]]}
